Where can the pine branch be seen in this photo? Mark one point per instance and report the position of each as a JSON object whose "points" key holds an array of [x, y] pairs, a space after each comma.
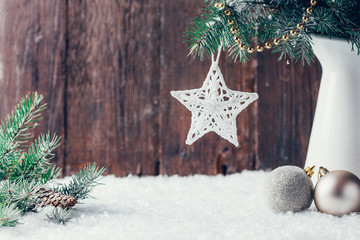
{"points": [[36, 162], [83, 182], [61, 216], [13, 130], [20, 193], [258, 22], [205, 34], [355, 40], [237, 54], [23, 174], [304, 52], [26, 113], [9, 215]]}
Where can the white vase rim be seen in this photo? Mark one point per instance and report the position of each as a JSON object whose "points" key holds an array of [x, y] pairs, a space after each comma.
{"points": [[327, 38]]}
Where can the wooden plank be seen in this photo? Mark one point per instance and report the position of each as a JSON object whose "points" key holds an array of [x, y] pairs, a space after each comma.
{"points": [[288, 93], [32, 57], [112, 98], [118, 60], [210, 154]]}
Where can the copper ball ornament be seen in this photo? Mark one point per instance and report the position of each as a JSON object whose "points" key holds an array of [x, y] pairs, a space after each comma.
{"points": [[338, 193]]}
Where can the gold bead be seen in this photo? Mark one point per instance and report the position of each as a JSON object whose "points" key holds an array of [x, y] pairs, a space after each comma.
{"points": [[216, 5], [259, 48], [250, 49], [277, 41], [227, 12], [305, 18], [268, 45], [233, 30], [221, 6], [242, 46], [309, 10], [293, 32], [230, 21], [313, 2], [237, 39], [300, 26], [285, 37]]}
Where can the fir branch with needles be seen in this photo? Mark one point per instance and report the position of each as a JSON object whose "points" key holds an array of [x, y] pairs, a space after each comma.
{"points": [[13, 133], [61, 216], [26, 169], [35, 163], [9, 215], [259, 21], [83, 182]]}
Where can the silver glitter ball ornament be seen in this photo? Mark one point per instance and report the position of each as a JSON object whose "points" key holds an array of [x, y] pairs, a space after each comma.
{"points": [[289, 188], [338, 193]]}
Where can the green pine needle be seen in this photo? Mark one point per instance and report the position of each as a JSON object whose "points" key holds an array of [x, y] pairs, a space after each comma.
{"points": [[25, 168], [36, 162], [9, 215], [83, 182], [13, 133], [61, 216], [261, 21]]}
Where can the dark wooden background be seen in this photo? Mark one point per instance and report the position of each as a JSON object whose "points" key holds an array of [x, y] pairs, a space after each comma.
{"points": [[106, 68]]}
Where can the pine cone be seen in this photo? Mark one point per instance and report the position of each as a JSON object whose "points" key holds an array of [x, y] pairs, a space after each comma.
{"points": [[55, 199]]}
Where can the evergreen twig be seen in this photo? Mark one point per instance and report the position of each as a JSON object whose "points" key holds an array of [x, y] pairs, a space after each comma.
{"points": [[25, 170], [83, 182], [263, 20], [9, 215], [13, 133], [60, 215]]}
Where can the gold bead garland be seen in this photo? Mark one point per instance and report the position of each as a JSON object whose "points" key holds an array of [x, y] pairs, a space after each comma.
{"points": [[300, 26], [293, 32], [259, 48], [250, 49], [233, 30], [305, 18], [268, 45], [285, 37], [309, 10]]}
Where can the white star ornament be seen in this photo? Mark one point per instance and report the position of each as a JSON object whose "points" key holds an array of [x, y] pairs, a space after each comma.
{"points": [[214, 107]]}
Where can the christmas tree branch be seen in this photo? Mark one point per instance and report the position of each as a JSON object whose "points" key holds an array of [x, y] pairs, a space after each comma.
{"points": [[83, 182], [259, 22], [9, 215], [23, 174], [60, 215], [205, 34], [20, 193], [37, 159], [13, 130]]}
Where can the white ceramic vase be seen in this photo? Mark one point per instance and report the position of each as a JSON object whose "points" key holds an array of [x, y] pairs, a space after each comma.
{"points": [[335, 135]]}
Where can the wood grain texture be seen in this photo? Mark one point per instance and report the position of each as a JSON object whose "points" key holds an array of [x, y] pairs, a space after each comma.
{"points": [[32, 57], [106, 69], [288, 94], [113, 85]]}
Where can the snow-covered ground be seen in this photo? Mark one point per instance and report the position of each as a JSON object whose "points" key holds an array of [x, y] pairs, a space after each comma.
{"points": [[196, 207]]}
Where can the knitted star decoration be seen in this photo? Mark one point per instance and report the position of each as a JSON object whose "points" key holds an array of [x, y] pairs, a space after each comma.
{"points": [[214, 107]]}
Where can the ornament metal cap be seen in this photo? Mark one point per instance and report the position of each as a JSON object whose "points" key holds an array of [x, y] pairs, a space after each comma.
{"points": [[322, 172], [309, 171]]}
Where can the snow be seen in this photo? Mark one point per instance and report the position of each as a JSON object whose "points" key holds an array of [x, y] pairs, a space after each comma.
{"points": [[173, 208]]}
